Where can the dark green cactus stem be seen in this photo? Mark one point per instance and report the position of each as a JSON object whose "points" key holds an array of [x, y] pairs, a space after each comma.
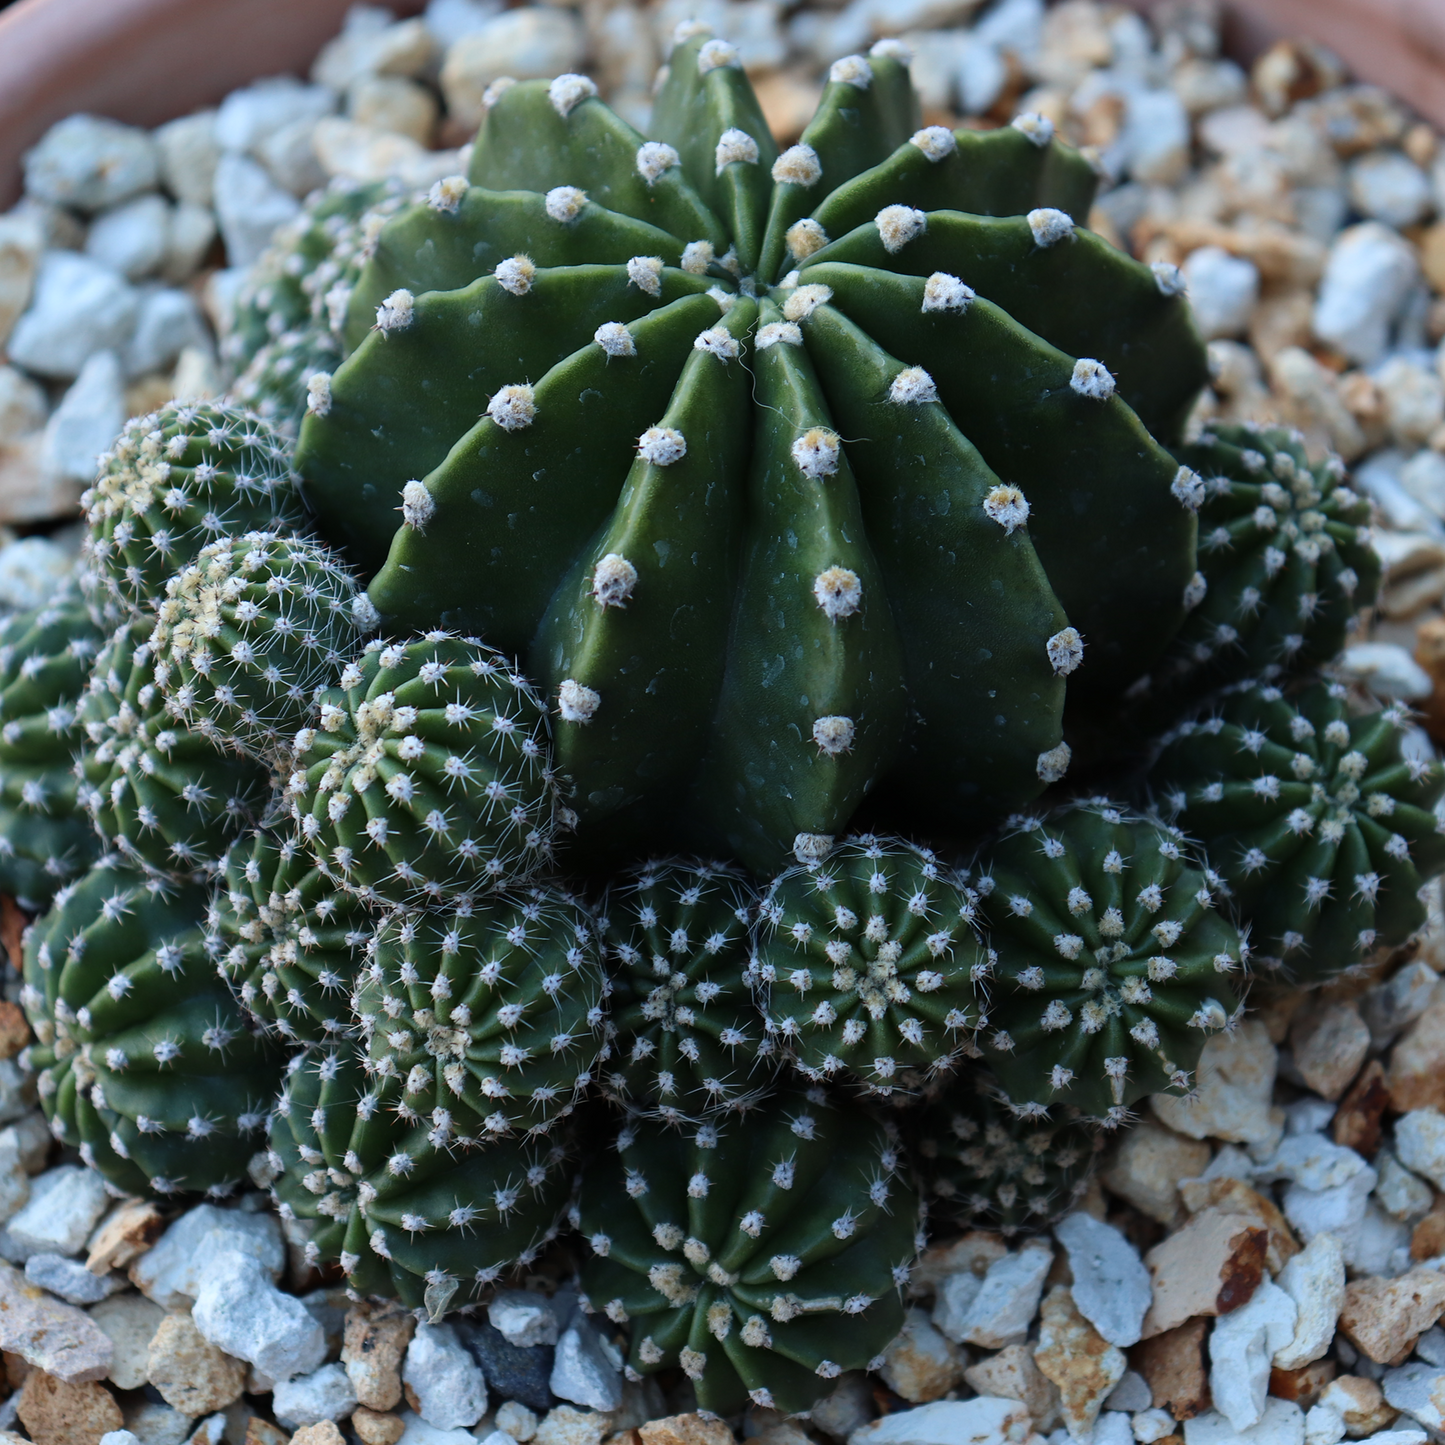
{"points": [[688, 1041], [145, 1062], [1113, 964], [1324, 822], [869, 965], [407, 1209], [763, 1256], [45, 657]]}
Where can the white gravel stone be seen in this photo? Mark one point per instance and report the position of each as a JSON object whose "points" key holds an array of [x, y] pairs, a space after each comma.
{"points": [[1379, 1246], [1387, 669], [1398, 1001], [87, 162], [242, 1312], [1242, 1345], [170, 1272], [193, 228], [188, 153], [88, 418], [324, 1394], [449, 20], [1420, 1143], [1313, 1161], [249, 115], [29, 590], [416, 1431], [1308, 1116], [1399, 1192], [1283, 1423], [517, 1420], [533, 42], [1418, 1390], [1339, 1210], [1423, 476], [524, 1317], [1369, 274], [1388, 186], [1132, 1393], [70, 1279], [1315, 1280], [65, 1204], [249, 207], [289, 154], [79, 307], [1008, 1299], [1113, 1428], [450, 1389], [1222, 291], [22, 405], [21, 243], [118, 1437], [371, 44], [1152, 1425], [131, 238], [1155, 137], [1396, 1437], [1111, 1288], [585, 1368], [952, 1301], [1324, 1425], [984, 1420], [169, 320]]}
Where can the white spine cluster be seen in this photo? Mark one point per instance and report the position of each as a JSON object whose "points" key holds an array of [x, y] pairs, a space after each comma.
{"points": [[645, 272], [417, 505], [898, 225], [396, 312], [816, 452], [564, 203], [513, 407], [798, 166], [1050, 226], [615, 339], [662, 446], [735, 147], [851, 70], [717, 55], [567, 92], [936, 142], [942, 292], [1038, 128], [654, 160], [576, 703], [1092, 379], [805, 238], [516, 274]]}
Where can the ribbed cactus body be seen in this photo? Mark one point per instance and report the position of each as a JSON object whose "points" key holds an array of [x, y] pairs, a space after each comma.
{"points": [[869, 965], [784, 521], [277, 382], [1323, 821], [45, 657], [1113, 962], [493, 1014], [289, 942], [763, 1256], [175, 481], [689, 1039], [429, 775], [145, 1062], [408, 1210]]}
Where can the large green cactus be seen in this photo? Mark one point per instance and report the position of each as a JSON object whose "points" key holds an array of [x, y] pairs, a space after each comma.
{"points": [[764, 1256], [794, 473]]}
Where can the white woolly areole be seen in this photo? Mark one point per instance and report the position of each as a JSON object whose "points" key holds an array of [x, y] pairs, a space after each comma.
{"points": [[645, 272], [447, 195], [805, 300], [684, 30], [516, 274], [662, 446], [735, 145], [318, 393], [936, 142], [726, 300], [364, 613], [1187, 489], [1169, 278], [1038, 128], [1007, 506], [417, 505], [717, 341], [715, 54], [1052, 765], [834, 735], [1066, 651], [912, 386], [697, 256], [1195, 591], [494, 92], [1092, 379], [812, 847], [614, 580], [851, 70], [1050, 226], [898, 225], [513, 407], [942, 292], [777, 333], [816, 452], [564, 203], [569, 91], [892, 50], [654, 159], [396, 312], [576, 703], [615, 339], [798, 166], [805, 238], [838, 592]]}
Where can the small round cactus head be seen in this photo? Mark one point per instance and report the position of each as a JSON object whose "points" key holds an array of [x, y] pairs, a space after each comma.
{"points": [[45, 656], [145, 1063], [287, 375], [1323, 820], [1113, 966], [287, 940], [166, 798], [493, 1014], [407, 1209], [762, 1255], [689, 1039], [251, 631], [985, 1167], [429, 776], [869, 965]]}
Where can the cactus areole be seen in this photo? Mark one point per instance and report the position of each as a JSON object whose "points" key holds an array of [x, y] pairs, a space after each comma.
{"points": [[786, 476]]}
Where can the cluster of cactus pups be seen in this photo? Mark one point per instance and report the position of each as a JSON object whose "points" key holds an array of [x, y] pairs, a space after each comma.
{"points": [[612, 772]]}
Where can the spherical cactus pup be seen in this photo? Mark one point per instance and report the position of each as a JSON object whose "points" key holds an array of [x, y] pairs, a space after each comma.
{"points": [[175, 481], [1325, 822], [869, 964], [430, 773], [763, 1255], [288, 375], [1113, 964], [985, 1167], [251, 630], [287, 940], [145, 1063], [46, 655], [164, 797], [689, 1038], [407, 1209]]}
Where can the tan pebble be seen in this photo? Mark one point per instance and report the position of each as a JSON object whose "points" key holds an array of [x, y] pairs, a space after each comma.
{"points": [[1356, 1124], [1361, 1405], [1013, 1375], [1384, 1317], [263, 1432], [692, 1429], [376, 1427], [1078, 1359], [1177, 1370], [372, 1350], [55, 1413], [972, 1252], [1303, 1385], [1329, 1043], [1416, 1075], [1234, 1196], [1146, 1166], [192, 1375], [14, 1031], [920, 1364], [324, 1432], [131, 1322], [125, 1233], [1210, 1267]]}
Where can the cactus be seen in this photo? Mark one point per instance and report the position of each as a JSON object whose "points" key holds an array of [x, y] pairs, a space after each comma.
{"points": [[145, 1063], [45, 656], [689, 1041], [289, 943], [873, 965], [985, 1167], [492, 1015], [251, 631], [407, 1210], [1325, 822], [277, 382], [783, 521], [764, 1256], [164, 797], [429, 775], [1113, 964], [175, 481]]}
